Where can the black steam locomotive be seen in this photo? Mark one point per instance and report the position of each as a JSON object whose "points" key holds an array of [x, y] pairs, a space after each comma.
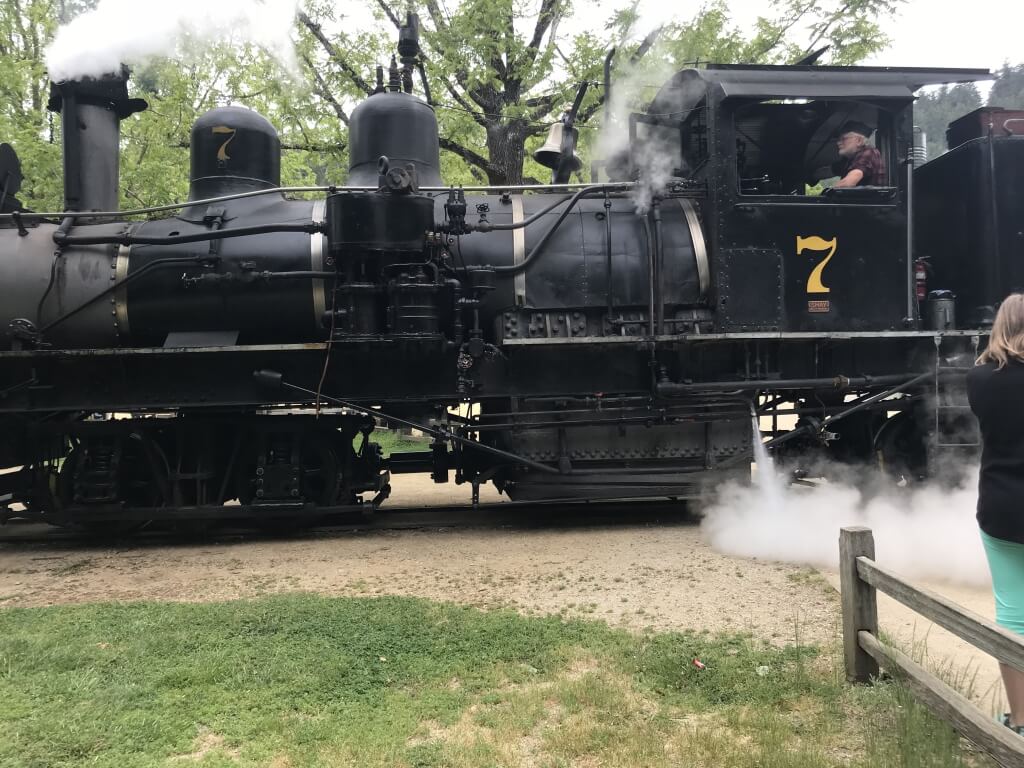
{"points": [[232, 355]]}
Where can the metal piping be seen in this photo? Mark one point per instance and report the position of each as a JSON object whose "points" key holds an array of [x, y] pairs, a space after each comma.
{"points": [[273, 378], [608, 250], [798, 432], [332, 189], [911, 290], [648, 241], [157, 263], [838, 383], [539, 247], [517, 222], [996, 257], [848, 412], [659, 266], [197, 237]]}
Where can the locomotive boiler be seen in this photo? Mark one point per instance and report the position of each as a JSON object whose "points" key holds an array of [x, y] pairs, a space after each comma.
{"points": [[231, 355]]}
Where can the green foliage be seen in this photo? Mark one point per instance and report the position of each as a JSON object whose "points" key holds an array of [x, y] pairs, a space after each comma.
{"points": [[935, 110], [25, 28], [154, 159], [1008, 89], [501, 72]]}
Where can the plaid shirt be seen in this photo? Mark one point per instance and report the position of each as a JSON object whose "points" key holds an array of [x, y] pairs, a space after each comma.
{"points": [[868, 161]]}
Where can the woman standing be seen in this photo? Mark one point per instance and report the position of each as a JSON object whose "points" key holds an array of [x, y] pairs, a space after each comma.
{"points": [[995, 389]]}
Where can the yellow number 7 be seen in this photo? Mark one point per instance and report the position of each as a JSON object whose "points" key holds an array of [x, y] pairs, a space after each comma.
{"points": [[222, 153], [815, 243]]}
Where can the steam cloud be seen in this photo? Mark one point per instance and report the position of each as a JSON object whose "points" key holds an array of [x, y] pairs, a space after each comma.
{"points": [[925, 533], [655, 159], [132, 31]]}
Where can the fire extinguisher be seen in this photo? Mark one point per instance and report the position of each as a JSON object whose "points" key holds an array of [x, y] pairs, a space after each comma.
{"points": [[921, 278]]}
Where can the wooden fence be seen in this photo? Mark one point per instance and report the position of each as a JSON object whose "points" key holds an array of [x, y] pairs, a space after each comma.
{"points": [[860, 577]]}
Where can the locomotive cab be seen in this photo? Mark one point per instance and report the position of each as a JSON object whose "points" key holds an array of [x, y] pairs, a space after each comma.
{"points": [[790, 254]]}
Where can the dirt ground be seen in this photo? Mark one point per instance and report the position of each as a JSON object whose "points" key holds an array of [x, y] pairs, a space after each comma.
{"points": [[634, 576], [663, 577]]}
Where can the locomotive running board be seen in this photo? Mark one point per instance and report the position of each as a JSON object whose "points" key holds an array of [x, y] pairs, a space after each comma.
{"points": [[745, 336]]}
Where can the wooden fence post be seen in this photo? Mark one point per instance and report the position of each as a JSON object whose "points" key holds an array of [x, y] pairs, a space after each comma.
{"points": [[860, 608]]}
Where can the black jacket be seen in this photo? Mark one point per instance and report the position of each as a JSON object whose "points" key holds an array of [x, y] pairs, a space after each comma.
{"points": [[997, 399]]}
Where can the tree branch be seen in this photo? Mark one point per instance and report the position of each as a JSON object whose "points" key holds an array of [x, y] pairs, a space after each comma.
{"points": [[471, 157], [826, 26], [436, 16], [785, 28], [549, 11], [332, 51], [645, 45], [540, 106], [478, 118], [325, 93], [389, 13], [586, 114]]}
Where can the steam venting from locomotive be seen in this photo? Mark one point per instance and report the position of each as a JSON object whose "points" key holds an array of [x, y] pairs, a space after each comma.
{"points": [[928, 532], [654, 161], [97, 42]]}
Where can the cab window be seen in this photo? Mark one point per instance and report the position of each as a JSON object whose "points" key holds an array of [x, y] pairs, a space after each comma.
{"points": [[788, 146]]}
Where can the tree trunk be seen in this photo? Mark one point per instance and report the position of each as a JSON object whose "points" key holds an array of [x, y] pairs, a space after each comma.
{"points": [[506, 153]]}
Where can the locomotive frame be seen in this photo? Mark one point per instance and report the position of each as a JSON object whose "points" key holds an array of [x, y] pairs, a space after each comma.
{"points": [[243, 364]]}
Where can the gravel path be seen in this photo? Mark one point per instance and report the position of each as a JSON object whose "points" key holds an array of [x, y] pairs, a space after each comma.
{"points": [[664, 577]]}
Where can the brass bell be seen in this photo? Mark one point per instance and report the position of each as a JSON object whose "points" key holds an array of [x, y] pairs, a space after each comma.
{"points": [[549, 154]]}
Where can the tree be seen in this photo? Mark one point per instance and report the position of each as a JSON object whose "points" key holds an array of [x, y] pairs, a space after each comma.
{"points": [[1008, 89], [154, 155], [935, 110], [498, 84], [25, 28]]}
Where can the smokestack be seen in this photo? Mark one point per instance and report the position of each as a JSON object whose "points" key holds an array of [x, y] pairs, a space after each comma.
{"points": [[91, 113]]}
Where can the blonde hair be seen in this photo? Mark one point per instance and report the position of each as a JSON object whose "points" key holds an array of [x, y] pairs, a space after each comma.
{"points": [[1007, 339]]}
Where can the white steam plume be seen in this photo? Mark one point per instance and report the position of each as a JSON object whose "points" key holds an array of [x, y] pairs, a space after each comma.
{"points": [[924, 533], [656, 153], [133, 31]]}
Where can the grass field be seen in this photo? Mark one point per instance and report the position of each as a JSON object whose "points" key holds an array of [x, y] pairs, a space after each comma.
{"points": [[391, 441], [299, 680]]}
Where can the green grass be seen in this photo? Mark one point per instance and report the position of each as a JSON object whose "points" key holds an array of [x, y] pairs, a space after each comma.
{"points": [[299, 680], [391, 441]]}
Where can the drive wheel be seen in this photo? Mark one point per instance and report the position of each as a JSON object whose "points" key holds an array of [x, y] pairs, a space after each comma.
{"points": [[901, 450]]}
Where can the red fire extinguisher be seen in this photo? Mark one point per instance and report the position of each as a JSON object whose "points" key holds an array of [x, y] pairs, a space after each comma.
{"points": [[921, 278]]}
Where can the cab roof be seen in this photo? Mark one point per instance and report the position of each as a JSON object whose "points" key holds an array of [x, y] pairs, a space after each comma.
{"points": [[685, 88]]}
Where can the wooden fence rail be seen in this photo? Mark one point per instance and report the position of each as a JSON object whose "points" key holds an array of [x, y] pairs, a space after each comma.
{"points": [[860, 576]]}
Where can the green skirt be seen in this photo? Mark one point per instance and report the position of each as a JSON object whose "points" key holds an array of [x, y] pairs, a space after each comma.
{"points": [[1006, 562]]}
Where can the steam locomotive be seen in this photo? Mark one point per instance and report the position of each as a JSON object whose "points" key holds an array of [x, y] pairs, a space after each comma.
{"points": [[230, 356]]}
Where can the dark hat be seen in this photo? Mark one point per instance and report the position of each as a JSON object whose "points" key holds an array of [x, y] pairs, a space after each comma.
{"points": [[855, 126]]}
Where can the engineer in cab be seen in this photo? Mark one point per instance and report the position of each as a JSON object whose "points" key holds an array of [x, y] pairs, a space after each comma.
{"points": [[859, 163]]}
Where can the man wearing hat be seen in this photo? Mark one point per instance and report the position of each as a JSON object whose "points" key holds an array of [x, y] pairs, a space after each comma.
{"points": [[859, 164]]}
